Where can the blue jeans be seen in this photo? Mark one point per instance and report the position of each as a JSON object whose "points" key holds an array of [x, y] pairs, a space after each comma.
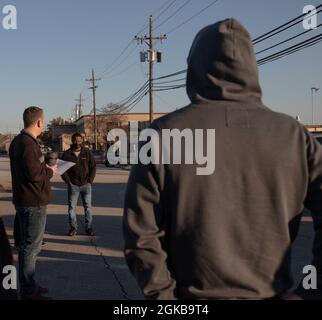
{"points": [[86, 196], [32, 223]]}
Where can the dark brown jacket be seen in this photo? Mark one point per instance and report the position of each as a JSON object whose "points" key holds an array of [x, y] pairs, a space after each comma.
{"points": [[227, 235], [85, 169], [30, 175]]}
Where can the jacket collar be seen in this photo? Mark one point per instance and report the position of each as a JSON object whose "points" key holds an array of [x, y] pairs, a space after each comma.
{"points": [[30, 136]]}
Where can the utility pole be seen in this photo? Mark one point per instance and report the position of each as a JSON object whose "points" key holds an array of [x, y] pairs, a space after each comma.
{"points": [[149, 40], [79, 106], [313, 90], [76, 112], [93, 81]]}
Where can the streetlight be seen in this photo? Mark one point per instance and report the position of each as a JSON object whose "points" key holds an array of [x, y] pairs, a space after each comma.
{"points": [[313, 90]]}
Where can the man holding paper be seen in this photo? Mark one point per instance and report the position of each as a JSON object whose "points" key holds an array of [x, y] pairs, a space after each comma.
{"points": [[79, 179], [31, 194]]}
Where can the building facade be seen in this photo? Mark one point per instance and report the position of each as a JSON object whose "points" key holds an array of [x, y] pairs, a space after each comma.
{"points": [[61, 135], [5, 141]]}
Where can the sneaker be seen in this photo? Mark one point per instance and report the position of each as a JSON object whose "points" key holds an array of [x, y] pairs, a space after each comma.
{"points": [[72, 232], [90, 232]]}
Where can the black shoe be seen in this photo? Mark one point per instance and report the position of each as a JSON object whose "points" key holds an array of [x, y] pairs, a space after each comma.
{"points": [[90, 232], [72, 232]]}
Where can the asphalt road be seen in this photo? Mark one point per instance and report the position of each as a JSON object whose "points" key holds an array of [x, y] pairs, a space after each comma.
{"points": [[81, 267], [94, 268]]}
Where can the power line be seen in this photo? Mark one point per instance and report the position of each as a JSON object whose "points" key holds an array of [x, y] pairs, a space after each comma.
{"points": [[172, 88], [171, 81], [287, 40], [174, 14], [137, 102], [166, 9], [109, 69], [163, 100], [192, 17], [150, 41], [304, 44], [134, 63], [146, 25], [264, 37], [283, 27], [160, 86], [106, 69], [93, 81], [135, 95], [171, 75], [273, 57]]}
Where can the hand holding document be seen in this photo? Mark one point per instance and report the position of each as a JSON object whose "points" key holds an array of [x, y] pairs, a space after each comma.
{"points": [[63, 166]]}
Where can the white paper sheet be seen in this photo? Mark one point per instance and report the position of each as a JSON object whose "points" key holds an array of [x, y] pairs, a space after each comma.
{"points": [[63, 166]]}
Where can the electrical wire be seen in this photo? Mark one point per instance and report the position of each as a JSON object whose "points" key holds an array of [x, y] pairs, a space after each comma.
{"points": [[166, 9], [192, 17], [284, 26], [173, 14], [282, 42], [299, 46], [133, 64]]}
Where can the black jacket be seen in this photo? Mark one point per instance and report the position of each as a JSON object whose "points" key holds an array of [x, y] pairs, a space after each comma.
{"points": [[30, 175], [85, 169], [227, 235]]}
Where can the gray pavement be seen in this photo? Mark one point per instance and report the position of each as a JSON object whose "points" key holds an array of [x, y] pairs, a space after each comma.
{"points": [[95, 269], [81, 267]]}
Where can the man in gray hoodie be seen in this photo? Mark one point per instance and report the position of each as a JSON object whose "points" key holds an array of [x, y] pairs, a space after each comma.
{"points": [[227, 235]]}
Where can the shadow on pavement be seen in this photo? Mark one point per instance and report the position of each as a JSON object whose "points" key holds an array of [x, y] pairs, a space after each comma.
{"points": [[110, 195]]}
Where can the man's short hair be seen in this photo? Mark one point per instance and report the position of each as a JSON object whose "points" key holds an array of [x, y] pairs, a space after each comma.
{"points": [[76, 135], [31, 115]]}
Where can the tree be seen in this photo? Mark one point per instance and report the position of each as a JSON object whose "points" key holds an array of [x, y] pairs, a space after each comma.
{"points": [[114, 117], [59, 121], [46, 136]]}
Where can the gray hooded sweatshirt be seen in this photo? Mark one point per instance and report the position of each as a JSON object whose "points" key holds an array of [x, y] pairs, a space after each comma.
{"points": [[227, 235]]}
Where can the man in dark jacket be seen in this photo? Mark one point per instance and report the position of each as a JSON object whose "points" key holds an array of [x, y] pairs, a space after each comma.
{"points": [[227, 235], [31, 195], [5, 260], [79, 179]]}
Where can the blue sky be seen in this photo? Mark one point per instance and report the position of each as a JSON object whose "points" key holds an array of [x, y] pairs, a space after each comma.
{"points": [[46, 61]]}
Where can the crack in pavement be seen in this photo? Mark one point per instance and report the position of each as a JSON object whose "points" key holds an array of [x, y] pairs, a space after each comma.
{"points": [[108, 266]]}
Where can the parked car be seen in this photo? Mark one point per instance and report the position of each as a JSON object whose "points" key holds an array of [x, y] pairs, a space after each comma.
{"points": [[100, 156]]}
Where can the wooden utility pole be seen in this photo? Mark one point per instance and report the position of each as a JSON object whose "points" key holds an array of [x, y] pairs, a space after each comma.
{"points": [[151, 45], [93, 88], [79, 106], [313, 90], [149, 40]]}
